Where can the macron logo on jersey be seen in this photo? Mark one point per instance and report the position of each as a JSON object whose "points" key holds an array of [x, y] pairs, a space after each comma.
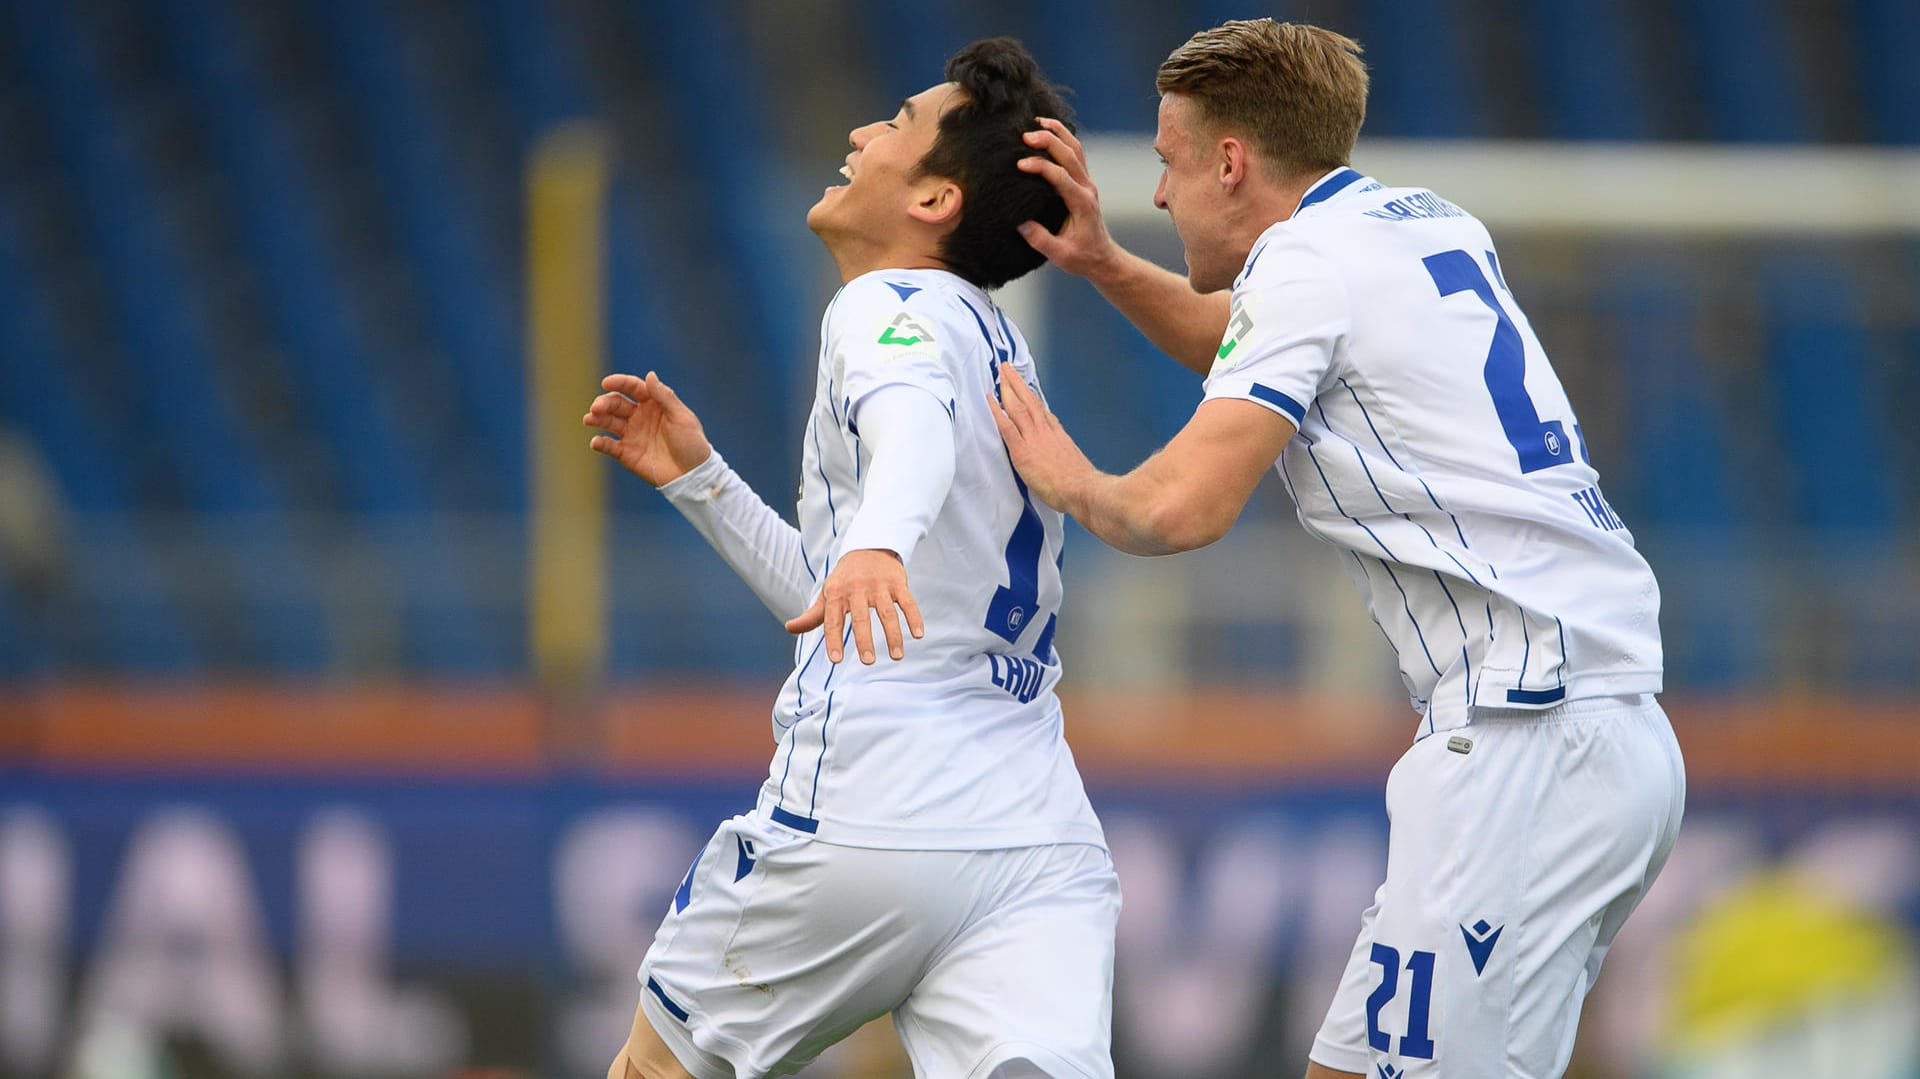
{"points": [[1480, 941]]}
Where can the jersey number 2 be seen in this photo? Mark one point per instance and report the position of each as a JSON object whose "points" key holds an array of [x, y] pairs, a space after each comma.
{"points": [[1539, 443]]}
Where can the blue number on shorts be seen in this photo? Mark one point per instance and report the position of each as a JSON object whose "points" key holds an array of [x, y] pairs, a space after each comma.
{"points": [[1388, 960], [1539, 443], [1416, 1044]]}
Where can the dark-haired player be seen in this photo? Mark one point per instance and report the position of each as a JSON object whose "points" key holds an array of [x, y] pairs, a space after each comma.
{"points": [[922, 844]]}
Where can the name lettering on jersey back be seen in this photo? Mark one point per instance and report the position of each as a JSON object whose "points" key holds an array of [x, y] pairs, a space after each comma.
{"points": [[1598, 512], [1415, 207], [1019, 676]]}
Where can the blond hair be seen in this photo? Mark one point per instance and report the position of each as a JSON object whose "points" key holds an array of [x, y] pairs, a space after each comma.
{"points": [[1296, 92]]}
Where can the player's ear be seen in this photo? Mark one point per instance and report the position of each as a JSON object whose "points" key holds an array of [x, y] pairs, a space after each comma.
{"points": [[1231, 162], [936, 203]]}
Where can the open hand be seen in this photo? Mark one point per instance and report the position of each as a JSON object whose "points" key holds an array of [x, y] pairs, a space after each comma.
{"points": [[866, 584], [648, 429], [1041, 450]]}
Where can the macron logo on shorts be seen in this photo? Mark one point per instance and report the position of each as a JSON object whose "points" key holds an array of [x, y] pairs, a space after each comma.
{"points": [[1480, 941], [1388, 1071]]}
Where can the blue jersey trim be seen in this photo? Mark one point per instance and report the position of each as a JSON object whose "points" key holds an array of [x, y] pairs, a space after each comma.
{"points": [[666, 1001], [1536, 696], [1328, 188], [795, 821], [1280, 401]]}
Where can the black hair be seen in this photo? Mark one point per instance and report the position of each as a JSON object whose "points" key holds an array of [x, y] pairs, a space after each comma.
{"points": [[977, 147]]}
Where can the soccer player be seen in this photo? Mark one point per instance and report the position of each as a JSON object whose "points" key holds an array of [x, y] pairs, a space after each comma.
{"points": [[922, 844], [1363, 339]]}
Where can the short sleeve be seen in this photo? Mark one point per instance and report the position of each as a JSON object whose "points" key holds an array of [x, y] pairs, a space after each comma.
{"points": [[1289, 314], [892, 340]]}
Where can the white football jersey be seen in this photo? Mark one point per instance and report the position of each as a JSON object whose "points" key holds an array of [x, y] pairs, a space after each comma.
{"points": [[1437, 448], [959, 745]]}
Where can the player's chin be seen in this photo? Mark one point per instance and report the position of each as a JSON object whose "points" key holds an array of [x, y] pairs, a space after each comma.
{"points": [[821, 211], [1205, 280]]}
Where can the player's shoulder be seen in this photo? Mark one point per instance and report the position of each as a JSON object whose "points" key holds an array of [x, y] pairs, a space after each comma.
{"points": [[905, 308], [932, 293], [1287, 258]]}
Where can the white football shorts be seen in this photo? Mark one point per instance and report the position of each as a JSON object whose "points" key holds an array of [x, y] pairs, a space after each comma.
{"points": [[778, 945], [1517, 847]]}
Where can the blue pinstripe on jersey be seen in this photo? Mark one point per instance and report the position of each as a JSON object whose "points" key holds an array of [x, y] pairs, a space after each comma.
{"points": [[1405, 603], [813, 803], [1388, 506], [1404, 470]]}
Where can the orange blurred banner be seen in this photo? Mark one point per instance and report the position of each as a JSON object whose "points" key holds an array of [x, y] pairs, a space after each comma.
{"points": [[1242, 736]]}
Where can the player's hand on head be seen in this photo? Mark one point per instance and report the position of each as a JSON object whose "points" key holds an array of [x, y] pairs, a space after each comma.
{"points": [[1042, 452], [649, 430], [1082, 246], [865, 585]]}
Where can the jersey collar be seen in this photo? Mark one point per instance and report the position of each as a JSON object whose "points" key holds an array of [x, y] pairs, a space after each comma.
{"points": [[1327, 187]]}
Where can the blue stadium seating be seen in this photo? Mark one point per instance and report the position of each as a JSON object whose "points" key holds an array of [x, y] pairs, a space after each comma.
{"points": [[347, 175]]}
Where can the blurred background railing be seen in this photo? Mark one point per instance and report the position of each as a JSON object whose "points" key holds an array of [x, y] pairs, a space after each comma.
{"points": [[283, 790]]}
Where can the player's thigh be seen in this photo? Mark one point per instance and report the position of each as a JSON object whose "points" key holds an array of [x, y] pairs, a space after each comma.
{"points": [[778, 946], [1027, 987], [645, 1055]]}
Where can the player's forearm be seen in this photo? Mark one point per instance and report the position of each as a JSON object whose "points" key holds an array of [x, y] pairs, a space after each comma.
{"points": [[755, 542], [1142, 513], [1182, 323]]}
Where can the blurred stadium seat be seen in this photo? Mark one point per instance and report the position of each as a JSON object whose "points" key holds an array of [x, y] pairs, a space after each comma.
{"points": [[287, 233]]}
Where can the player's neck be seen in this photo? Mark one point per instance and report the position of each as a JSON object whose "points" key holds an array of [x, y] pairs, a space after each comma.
{"points": [[1284, 198], [856, 256]]}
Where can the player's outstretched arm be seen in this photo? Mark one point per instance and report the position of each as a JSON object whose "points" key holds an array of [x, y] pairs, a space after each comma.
{"points": [[1185, 496], [658, 438], [649, 430], [1182, 323]]}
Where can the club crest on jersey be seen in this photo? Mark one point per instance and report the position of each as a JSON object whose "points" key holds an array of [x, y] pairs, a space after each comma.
{"points": [[1480, 941], [1237, 327], [905, 331]]}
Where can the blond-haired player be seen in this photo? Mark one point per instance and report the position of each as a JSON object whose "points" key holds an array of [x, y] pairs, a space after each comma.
{"points": [[1361, 339]]}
